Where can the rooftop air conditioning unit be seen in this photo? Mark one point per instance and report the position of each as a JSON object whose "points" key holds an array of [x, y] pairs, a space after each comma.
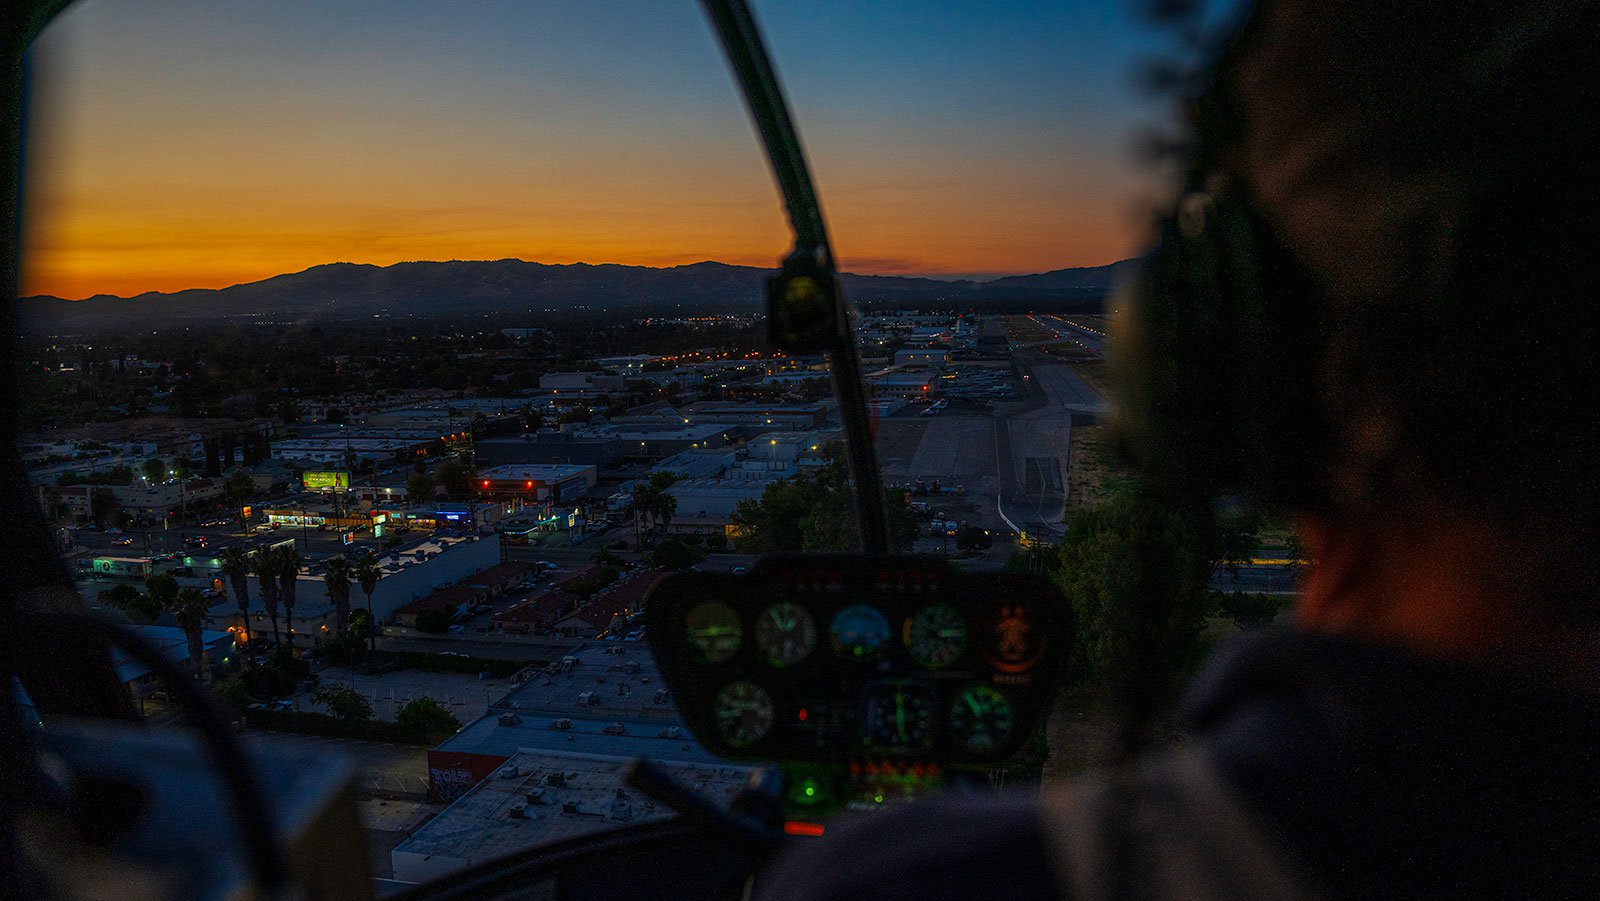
{"points": [[518, 811], [509, 772], [569, 806], [509, 719]]}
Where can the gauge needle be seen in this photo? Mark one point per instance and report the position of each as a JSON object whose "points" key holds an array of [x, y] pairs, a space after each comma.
{"points": [[900, 715], [972, 701]]}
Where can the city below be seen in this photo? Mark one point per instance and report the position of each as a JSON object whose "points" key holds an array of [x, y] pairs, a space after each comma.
{"points": [[432, 547]]}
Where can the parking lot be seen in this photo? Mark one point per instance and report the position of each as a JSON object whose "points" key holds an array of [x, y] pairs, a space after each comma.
{"points": [[466, 696]]}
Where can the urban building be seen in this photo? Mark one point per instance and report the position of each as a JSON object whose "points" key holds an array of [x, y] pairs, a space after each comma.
{"points": [[556, 482], [705, 506], [537, 797]]}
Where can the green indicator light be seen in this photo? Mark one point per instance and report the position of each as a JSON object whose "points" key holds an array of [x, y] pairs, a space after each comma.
{"points": [[878, 798], [807, 791]]}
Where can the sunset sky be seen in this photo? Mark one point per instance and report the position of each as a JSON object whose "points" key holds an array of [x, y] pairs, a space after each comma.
{"points": [[202, 143]]}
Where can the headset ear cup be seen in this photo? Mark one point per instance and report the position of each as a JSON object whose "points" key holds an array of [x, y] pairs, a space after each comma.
{"points": [[1215, 359], [1168, 377]]}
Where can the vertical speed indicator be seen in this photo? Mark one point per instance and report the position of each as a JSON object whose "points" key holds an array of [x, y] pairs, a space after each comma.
{"points": [[786, 633], [936, 636], [982, 718]]}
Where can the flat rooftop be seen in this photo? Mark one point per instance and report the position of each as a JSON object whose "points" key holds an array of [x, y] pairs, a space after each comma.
{"points": [[541, 797], [610, 682], [537, 472]]}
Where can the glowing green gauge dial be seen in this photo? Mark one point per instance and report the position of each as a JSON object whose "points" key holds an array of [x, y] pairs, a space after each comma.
{"points": [[901, 716], [744, 713], [936, 636], [981, 719], [714, 631], [786, 633]]}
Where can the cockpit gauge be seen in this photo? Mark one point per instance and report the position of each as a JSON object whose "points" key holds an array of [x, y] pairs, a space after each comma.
{"points": [[1014, 639], [936, 635], [714, 631], [901, 716], [981, 718], [786, 633], [744, 713], [859, 632]]}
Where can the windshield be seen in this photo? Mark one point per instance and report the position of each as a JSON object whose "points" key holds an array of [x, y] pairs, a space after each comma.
{"points": [[380, 359]]}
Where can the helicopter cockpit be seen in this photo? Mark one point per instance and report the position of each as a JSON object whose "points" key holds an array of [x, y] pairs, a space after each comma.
{"points": [[843, 682]]}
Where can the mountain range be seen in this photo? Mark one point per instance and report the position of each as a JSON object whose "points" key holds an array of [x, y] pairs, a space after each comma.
{"points": [[349, 291]]}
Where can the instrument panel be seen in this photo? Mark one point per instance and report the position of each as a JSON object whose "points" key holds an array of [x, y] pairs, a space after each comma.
{"points": [[899, 663]]}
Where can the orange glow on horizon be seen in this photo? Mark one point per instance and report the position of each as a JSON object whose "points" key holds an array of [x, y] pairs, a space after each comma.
{"points": [[202, 163]]}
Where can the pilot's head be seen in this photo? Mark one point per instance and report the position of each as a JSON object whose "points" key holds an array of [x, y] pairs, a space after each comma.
{"points": [[1380, 292]]}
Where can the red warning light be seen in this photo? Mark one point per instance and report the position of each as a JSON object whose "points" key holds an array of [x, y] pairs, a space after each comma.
{"points": [[795, 827], [486, 484], [803, 714], [527, 484]]}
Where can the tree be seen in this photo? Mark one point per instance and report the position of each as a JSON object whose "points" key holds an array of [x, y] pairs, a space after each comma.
{"points": [[652, 503], [163, 587], [973, 538], [343, 702], [238, 489], [1237, 540], [265, 565], [288, 567], [236, 567], [675, 555], [456, 478], [426, 719], [367, 573], [178, 468], [235, 693], [420, 487], [137, 606], [336, 580], [154, 470], [436, 621], [119, 595], [1135, 575], [190, 608], [103, 506], [815, 512]]}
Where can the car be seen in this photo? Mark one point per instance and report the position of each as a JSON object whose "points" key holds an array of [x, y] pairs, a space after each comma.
{"points": [[457, 627], [738, 570], [482, 608], [124, 541], [634, 636], [113, 531]]}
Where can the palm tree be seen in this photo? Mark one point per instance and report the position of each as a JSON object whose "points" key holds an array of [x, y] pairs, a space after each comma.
{"points": [[288, 565], [190, 609], [337, 581], [367, 574], [265, 564], [236, 566]]}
